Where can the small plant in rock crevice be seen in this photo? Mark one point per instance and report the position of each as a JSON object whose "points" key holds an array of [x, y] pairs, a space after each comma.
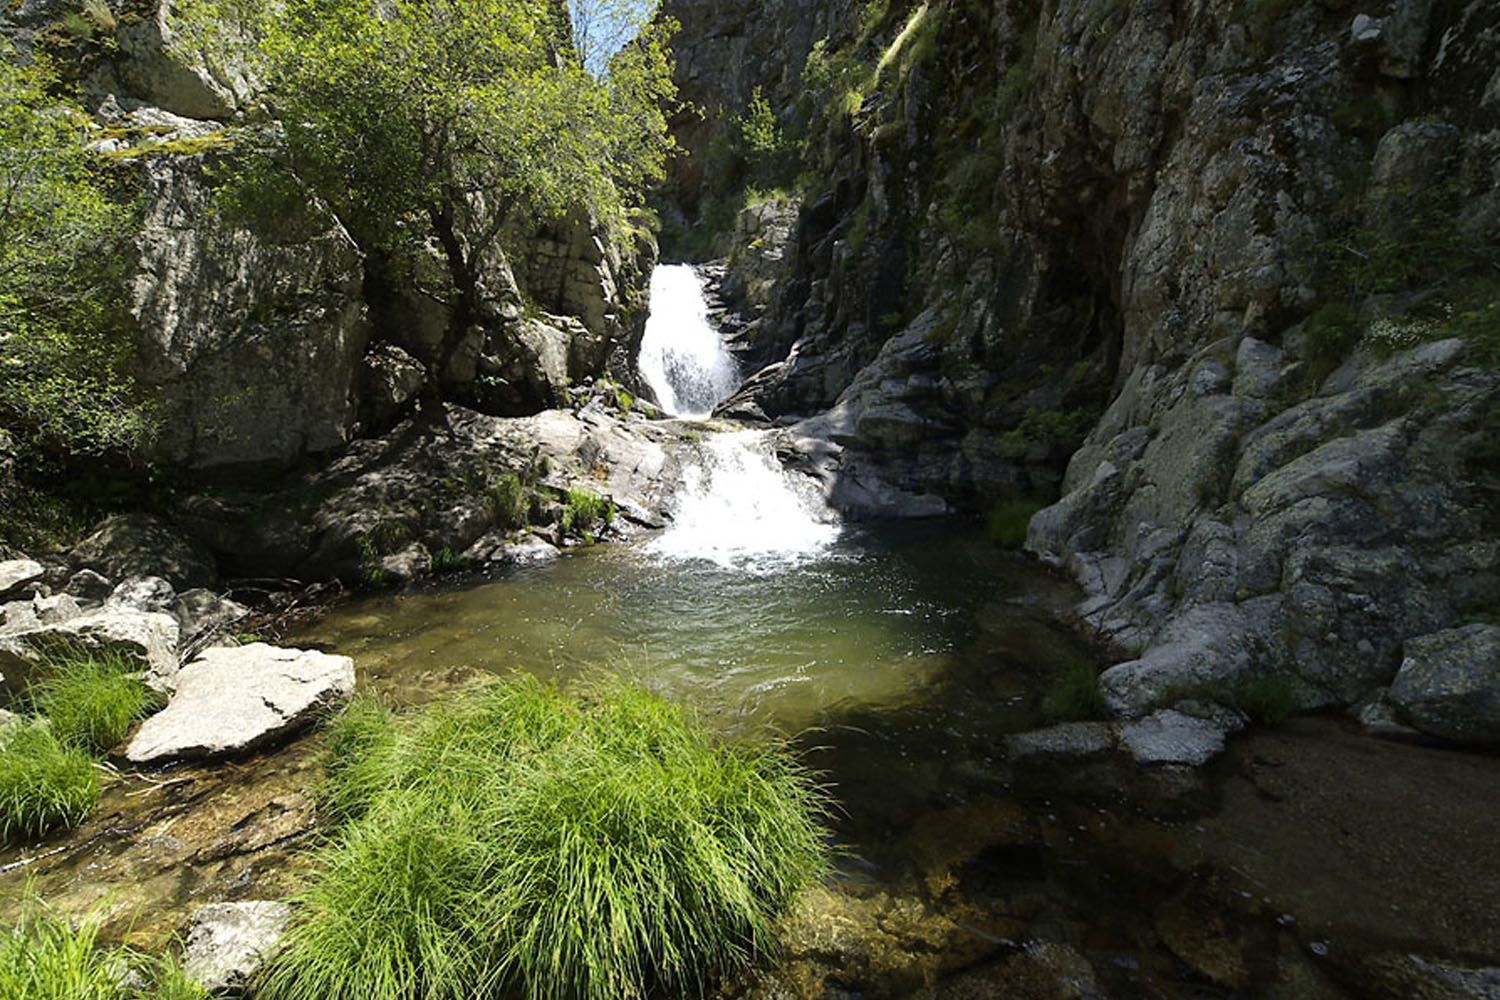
{"points": [[1075, 695]]}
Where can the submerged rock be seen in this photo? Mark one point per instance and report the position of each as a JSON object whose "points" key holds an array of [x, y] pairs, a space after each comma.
{"points": [[228, 942], [236, 699], [1449, 684], [1171, 737]]}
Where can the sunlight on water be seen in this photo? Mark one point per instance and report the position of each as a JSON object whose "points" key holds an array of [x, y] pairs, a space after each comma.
{"points": [[683, 358]]}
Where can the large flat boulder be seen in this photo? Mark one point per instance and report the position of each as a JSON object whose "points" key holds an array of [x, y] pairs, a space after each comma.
{"points": [[234, 700], [1449, 684]]}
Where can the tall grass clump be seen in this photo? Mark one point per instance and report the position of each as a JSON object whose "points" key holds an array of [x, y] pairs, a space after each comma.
{"points": [[516, 841], [1075, 695], [44, 785], [91, 697], [1008, 522], [45, 957]]}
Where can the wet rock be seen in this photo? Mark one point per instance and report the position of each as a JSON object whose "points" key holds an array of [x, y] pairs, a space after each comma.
{"points": [[1415, 977], [1203, 937], [86, 585], [146, 637], [1068, 741], [143, 593], [1449, 684], [130, 545], [228, 942], [16, 575], [499, 549], [1043, 970], [233, 700], [1171, 737]]}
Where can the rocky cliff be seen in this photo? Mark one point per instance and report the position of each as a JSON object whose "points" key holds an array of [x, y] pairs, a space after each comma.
{"points": [[266, 339], [1215, 280]]}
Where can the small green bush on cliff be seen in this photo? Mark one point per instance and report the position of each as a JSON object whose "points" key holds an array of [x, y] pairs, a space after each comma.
{"points": [[515, 841], [44, 785], [1008, 522], [585, 513], [45, 957]]}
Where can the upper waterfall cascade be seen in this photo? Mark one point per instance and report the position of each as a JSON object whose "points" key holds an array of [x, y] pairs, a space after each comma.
{"points": [[683, 359]]}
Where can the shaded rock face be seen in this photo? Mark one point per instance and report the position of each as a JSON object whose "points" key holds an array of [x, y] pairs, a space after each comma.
{"points": [[1071, 252], [139, 545], [232, 700], [387, 509], [254, 346], [1449, 684]]}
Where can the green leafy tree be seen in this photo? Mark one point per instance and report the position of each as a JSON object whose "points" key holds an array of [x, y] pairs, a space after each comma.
{"points": [[427, 127], [65, 389]]}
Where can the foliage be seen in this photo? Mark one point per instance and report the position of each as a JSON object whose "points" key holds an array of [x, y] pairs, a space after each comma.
{"points": [[43, 784], [1329, 335], [1270, 701], [46, 958], [585, 512], [513, 841], [1075, 695], [434, 124], [510, 500], [65, 386], [90, 698], [1009, 520], [1049, 428]]}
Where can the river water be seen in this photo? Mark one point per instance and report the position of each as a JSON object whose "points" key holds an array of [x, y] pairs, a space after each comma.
{"points": [[896, 657]]}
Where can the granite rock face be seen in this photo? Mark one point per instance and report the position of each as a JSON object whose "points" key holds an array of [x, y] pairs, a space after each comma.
{"points": [[1082, 254], [232, 700], [1449, 684], [140, 545]]}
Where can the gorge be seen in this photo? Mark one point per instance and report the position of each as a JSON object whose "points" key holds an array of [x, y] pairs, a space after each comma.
{"points": [[1064, 428]]}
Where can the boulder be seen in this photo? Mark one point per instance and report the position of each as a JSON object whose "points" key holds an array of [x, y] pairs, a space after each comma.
{"points": [[143, 593], [228, 942], [149, 638], [200, 612], [86, 585], [129, 545], [16, 575], [233, 700], [1449, 684]]}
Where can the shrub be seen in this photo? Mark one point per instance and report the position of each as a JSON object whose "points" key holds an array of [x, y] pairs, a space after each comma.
{"points": [[46, 958], [1075, 695], [1008, 522], [509, 501], [1330, 334], [1270, 701], [43, 784], [585, 513], [513, 841], [91, 697]]}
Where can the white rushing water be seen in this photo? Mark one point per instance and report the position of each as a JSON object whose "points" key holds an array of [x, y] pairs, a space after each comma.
{"points": [[742, 510], [683, 358], [739, 508]]}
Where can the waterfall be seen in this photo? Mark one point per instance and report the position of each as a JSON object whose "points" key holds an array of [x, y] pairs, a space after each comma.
{"points": [[683, 359], [739, 507], [742, 510]]}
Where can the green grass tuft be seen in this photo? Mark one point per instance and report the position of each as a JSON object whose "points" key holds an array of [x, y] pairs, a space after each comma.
{"points": [[91, 697], [47, 958], [1076, 696], [1269, 701], [43, 784], [585, 512], [514, 841], [1008, 522]]}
